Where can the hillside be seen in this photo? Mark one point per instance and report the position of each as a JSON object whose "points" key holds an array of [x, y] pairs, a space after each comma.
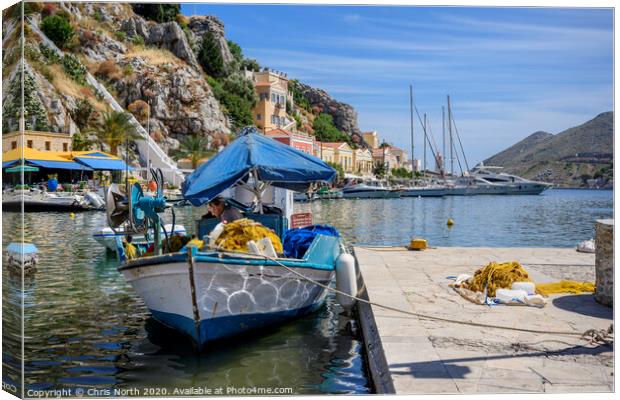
{"points": [[581, 156], [178, 75]]}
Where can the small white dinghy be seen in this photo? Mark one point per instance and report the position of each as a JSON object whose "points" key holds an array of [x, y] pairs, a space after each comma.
{"points": [[107, 237]]}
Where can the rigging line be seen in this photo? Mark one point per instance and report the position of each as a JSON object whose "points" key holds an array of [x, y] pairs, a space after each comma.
{"points": [[435, 143], [459, 139], [458, 159], [425, 135]]}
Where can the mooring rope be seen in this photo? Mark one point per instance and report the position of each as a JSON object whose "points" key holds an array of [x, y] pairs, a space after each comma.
{"points": [[593, 336]]}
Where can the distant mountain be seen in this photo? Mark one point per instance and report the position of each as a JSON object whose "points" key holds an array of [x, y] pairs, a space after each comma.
{"points": [[577, 157]]}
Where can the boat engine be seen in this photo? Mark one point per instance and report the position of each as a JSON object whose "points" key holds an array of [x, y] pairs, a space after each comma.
{"points": [[137, 211]]}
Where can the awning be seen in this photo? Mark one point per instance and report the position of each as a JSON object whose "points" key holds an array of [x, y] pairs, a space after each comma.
{"points": [[275, 163], [105, 164], [20, 168], [59, 165], [8, 163]]}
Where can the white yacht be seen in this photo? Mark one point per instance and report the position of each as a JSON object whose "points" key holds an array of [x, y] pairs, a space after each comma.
{"points": [[511, 184], [430, 190], [485, 180], [368, 190]]}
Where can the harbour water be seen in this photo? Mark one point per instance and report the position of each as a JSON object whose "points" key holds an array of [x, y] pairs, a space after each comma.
{"points": [[86, 327], [556, 218]]}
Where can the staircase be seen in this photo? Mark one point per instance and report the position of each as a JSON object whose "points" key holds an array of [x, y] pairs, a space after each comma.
{"points": [[147, 147]]}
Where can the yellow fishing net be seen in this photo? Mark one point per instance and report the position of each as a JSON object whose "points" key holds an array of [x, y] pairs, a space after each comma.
{"points": [[237, 234], [574, 287], [497, 276]]}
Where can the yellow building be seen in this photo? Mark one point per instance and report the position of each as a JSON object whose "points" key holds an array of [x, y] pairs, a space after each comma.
{"points": [[362, 159], [325, 153], [372, 138], [270, 111], [43, 141], [343, 154]]}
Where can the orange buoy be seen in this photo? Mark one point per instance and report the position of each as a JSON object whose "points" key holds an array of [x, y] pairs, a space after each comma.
{"points": [[152, 186]]}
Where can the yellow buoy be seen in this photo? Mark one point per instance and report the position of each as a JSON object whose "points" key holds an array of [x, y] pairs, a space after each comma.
{"points": [[450, 222], [71, 215], [418, 244]]}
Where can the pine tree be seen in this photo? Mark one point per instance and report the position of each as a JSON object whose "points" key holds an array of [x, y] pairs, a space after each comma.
{"points": [[210, 56], [33, 108]]}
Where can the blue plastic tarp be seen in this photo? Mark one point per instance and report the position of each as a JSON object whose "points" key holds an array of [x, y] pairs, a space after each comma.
{"points": [[8, 163], [103, 164], [59, 165], [296, 242], [276, 163]]}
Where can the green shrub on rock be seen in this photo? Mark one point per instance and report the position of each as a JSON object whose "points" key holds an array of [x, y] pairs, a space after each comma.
{"points": [[58, 29]]}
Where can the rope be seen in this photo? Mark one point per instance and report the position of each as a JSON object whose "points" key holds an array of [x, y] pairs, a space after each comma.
{"points": [[591, 335]]}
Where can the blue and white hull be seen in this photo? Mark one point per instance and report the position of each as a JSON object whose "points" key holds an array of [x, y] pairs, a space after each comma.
{"points": [[210, 296]]}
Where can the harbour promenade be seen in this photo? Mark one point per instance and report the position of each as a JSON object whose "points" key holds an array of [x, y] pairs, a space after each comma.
{"points": [[422, 356]]}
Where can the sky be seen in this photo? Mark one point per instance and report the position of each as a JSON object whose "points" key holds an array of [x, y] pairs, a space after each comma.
{"points": [[509, 71]]}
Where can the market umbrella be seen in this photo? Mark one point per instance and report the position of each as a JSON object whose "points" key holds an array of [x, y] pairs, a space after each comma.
{"points": [[20, 168]]}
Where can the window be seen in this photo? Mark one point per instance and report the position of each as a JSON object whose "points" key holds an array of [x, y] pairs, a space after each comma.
{"points": [[29, 144], [65, 147], [258, 117], [14, 144], [48, 146]]}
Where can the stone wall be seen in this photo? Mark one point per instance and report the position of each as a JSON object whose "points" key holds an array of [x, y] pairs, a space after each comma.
{"points": [[605, 261]]}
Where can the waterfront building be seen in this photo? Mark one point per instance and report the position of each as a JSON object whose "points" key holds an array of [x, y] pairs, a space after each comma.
{"points": [[400, 155], [385, 156], [270, 111], [371, 138], [325, 153], [298, 140], [362, 159], [343, 154], [38, 140]]}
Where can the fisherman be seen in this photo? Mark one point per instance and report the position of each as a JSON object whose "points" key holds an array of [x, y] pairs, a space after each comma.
{"points": [[219, 209]]}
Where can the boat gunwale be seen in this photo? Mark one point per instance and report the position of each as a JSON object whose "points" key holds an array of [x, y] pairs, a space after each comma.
{"points": [[221, 258]]}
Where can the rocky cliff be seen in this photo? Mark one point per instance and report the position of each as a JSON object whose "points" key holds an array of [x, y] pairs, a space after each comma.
{"points": [[345, 116], [134, 59], [577, 157]]}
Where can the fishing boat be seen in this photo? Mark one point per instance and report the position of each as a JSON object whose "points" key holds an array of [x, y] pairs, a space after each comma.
{"points": [[208, 293]]}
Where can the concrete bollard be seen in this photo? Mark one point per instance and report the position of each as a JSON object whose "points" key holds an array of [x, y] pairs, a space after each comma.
{"points": [[604, 261]]}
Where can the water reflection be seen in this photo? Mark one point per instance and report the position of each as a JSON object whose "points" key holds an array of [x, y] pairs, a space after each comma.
{"points": [[86, 328]]}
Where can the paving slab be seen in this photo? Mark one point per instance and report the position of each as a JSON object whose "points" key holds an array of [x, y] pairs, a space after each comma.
{"points": [[426, 356]]}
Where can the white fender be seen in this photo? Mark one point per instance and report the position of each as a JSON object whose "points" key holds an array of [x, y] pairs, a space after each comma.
{"points": [[346, 280], [94, 199]]}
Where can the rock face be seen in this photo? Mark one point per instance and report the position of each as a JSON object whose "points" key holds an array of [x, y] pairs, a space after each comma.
{"points": [[199, 25], [168, 35], [345, 116], [180, 99]]}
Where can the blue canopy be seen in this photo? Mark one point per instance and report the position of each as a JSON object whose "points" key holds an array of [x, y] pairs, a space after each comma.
{"points": [[102, 164], [8, 163], [59, 165], [274, 162]]}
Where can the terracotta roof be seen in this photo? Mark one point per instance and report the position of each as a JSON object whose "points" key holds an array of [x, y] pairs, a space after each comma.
{"points": [[379, 152], [278, 131]]}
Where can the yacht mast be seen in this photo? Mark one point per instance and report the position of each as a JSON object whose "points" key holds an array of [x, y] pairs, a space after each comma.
{"points": [[443, 134], [411, 112], [425, 137], [450, 133]]}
